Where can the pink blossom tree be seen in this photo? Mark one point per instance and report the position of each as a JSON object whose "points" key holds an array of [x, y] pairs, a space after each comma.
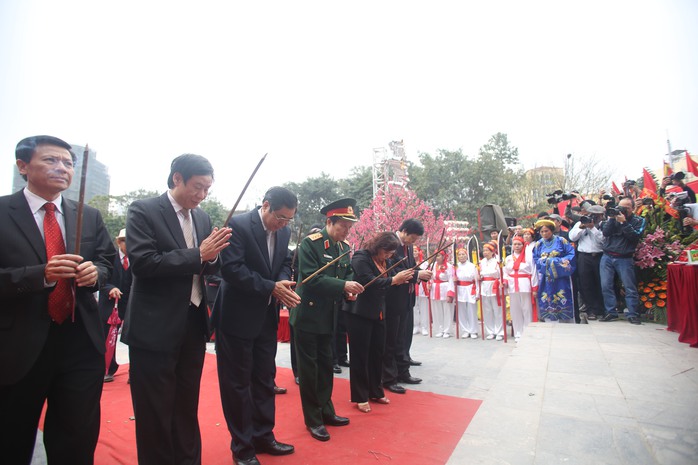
{"points": [[387, 211]]}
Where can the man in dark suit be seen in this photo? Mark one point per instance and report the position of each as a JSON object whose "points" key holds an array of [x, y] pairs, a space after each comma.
{"points": [[256, 271], [399, 304], [51, 337], [118, 287], [171, 245]]}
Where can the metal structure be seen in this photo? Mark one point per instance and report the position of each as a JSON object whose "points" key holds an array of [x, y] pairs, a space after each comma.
{"points": [[389, 169]]}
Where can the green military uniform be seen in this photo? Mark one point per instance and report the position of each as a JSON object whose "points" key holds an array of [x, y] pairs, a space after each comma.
{"points": [[314, 319]]}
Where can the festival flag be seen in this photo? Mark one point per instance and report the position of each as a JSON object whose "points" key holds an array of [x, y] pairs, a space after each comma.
{"points": [[691, 166], [616, 190], [648, 181], [667, 169]]}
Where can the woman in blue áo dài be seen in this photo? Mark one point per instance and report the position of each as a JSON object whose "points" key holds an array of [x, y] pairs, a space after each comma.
{"points": [[554, 260]]}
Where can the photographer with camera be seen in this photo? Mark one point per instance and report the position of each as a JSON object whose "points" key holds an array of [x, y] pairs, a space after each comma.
{"points": [[688, 212], [589, 238], [677, 180], [622, 232]]}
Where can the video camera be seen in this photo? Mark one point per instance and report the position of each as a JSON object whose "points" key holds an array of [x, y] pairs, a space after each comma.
{"points": [[680, 200], [558, 196]]}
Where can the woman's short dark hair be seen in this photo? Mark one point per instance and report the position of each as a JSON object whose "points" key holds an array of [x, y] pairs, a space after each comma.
{"points": [[412, 226], [189, 165], [280, 197], [382, 241]]}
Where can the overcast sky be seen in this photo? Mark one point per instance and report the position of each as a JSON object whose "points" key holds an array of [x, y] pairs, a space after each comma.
{"points": [[320, 84]]}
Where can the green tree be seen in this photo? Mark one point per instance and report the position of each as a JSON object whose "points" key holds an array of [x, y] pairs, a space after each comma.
{"points": [[494, 175], [442, 181], [450, 181], [313, 194], [215, 210], [359, 186]]}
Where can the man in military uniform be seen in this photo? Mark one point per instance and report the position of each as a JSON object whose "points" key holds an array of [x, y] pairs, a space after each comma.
{"points": [[314, 319]]}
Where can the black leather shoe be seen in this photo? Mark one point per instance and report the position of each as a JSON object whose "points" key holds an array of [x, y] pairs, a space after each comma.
{"points": [[415, 363], [336, 368], [409, 379], [251, 461], [336, 421], [279, 390], [609, 317], [274, 447], [633, 320], [319, 432], [298, 381], [344, 363], [396, 388]]}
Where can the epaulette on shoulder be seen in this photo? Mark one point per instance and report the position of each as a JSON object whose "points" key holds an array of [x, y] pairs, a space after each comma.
{"points": [[316, 236], [347, 243]]}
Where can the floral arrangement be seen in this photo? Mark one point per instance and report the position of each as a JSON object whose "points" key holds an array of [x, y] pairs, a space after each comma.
{"points": [[655, 251], [653, 297], [662, 243]]}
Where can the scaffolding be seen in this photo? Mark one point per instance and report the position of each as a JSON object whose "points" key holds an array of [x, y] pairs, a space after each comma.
{"points": [[389, 169]]}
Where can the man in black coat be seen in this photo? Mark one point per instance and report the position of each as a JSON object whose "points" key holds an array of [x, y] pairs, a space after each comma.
{"points": [[399, 306], [51, 336], [171, 245], [118, 287], [256, 271]]}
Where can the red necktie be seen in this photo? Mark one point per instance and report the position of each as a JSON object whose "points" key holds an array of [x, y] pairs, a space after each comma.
{"points": [[125, 262], [60, 300]]}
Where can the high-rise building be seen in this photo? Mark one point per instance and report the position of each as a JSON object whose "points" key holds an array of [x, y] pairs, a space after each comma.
{"points": [[96, 181]]}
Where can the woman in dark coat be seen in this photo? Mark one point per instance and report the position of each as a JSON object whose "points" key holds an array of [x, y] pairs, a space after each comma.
{"points": [[365, 319]]}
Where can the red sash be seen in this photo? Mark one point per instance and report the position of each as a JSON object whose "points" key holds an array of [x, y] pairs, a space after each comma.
{"points": [[495, 287], [467, 283]]}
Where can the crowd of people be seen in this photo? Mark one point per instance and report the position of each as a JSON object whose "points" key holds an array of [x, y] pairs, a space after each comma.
{"points": [[57, 254]]}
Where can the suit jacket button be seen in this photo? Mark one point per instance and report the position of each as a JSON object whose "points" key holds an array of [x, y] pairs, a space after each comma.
{"points": [[311, 303]]}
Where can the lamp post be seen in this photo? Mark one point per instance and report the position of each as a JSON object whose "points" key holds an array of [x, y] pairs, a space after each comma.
{"points": [[567, 167]]}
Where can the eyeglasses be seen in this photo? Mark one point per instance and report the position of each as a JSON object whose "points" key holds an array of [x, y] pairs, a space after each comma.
{"points": [[282, 219]]}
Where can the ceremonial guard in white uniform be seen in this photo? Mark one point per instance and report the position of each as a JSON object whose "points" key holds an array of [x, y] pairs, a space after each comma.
{"points": [[466, 282], [490, 292], [521, 281], [441, 295]]}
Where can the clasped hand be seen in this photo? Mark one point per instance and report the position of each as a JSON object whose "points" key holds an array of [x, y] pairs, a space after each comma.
{"points": [[71, 266], [214, 243]]}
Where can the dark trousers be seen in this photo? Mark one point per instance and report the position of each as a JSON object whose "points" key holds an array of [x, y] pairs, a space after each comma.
{"points": [[165, 393], [314, 357], [366, 354], [395, 361], [409, 329], [590, 282], [340, 339], [246, 371], [69, 374], [292, 348]]}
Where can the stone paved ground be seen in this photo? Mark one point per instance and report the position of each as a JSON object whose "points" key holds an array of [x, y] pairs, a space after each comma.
{"points": [[602, 393]]}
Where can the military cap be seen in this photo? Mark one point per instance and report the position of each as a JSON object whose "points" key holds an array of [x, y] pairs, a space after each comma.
{"points": [[343, 208]]}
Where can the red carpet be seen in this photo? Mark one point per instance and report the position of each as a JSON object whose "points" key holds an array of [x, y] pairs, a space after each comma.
{"points": [[417, 427]]}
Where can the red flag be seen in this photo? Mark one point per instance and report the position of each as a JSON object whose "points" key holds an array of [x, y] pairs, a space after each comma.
{"points": [[691, 166], [616, 191], [667, 169], [648, 181]]}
